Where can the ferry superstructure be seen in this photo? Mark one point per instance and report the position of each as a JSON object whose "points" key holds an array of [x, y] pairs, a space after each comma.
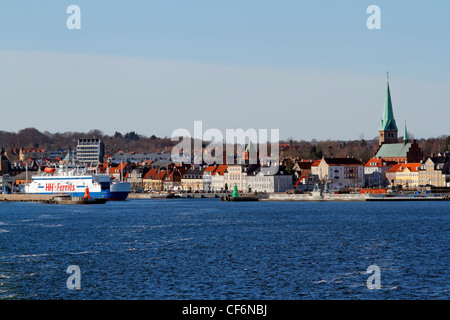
{"points": [[75, 181]]}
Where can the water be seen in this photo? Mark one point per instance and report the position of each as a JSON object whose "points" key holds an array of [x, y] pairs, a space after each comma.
{"points": [[208, 249]]}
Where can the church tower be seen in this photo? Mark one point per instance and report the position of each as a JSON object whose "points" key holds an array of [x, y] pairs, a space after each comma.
{"points": [[4, 162], [388, 132]]}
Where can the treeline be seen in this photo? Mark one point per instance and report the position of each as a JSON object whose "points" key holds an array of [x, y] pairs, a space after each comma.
{"points": [[127, 142], [131, 141]]}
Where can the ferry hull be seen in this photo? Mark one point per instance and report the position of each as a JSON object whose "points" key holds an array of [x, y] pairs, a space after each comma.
{"points": [[110, 196], [118, 196]]}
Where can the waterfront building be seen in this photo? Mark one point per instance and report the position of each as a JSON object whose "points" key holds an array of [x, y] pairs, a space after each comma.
{"points": [[259, 182], [207, 178], [135, 178], [217, 178], [157, 180], [192, 180], [404, 174], [375, 172], [435, 171], [236, 175], [341, 172], [90, 151], [147, 179], [315, 168], [172, 181]]}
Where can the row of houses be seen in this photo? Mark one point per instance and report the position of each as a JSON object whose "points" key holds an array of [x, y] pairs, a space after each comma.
{"points": [[336, 173], [435, 171], [213, 178], [377, 172]]}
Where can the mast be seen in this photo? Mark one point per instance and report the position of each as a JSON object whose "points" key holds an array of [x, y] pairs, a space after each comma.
{"points": [[26, 173]]}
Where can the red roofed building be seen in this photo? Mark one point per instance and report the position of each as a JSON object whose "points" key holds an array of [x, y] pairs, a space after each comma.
{"points": [[172, 182], [147, 179], [156, 183], [207, 177], [119, 171], [404, 174], [315, 167], [217, 183], [375, 172]]}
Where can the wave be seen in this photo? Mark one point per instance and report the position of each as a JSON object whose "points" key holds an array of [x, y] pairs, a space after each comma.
{"points": [[320, 281], [84, 252]]}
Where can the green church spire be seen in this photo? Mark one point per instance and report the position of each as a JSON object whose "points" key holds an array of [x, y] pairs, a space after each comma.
{"points": [[405, 135], [388, 121]]}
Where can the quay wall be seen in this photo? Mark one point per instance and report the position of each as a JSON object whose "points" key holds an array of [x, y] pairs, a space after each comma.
{"points": [[177, 195], [25, 197], [262, 197], [307, 197]]}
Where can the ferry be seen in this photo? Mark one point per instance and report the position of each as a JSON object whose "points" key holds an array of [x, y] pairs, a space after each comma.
{"points": [[75, 180]]}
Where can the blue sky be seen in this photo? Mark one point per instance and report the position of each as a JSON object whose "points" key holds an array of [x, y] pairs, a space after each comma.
{"points": [[310, 68]]}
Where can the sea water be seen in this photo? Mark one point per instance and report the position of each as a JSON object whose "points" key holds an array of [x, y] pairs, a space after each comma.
{"points": [[209, 249]]}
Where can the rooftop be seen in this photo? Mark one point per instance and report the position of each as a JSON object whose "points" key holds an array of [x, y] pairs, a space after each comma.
{"points": [[342, 161], [389, 150]]}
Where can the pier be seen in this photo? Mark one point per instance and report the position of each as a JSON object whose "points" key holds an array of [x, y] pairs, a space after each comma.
{"points": [[178, 195], [17, 197]]}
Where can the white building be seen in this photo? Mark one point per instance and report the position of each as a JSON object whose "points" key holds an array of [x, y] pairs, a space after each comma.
{"points": [[279, 182], [217, 178], [90, 151], [236, 175], [341, 172], [207, 178]]}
